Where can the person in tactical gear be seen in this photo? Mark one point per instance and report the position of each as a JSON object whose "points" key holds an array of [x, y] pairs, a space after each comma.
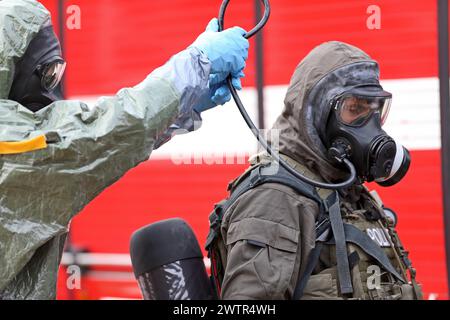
{"points": [[56, 156], [276, 237]]}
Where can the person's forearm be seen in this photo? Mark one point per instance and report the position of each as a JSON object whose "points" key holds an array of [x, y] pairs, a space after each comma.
{"points": [[188, 73]]}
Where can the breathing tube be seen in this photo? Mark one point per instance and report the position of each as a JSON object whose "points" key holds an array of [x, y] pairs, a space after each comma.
{"points": [[257, 133]]}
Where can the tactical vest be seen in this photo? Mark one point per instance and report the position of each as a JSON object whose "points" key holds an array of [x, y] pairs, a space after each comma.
{"points": [[368, 260]]}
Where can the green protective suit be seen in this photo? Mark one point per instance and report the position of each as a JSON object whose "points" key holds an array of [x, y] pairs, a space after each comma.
{"points": [[87, 150]]}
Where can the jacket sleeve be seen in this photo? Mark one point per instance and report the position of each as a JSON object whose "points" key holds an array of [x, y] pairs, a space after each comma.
{"points": [[87, 150], [262, 235]]}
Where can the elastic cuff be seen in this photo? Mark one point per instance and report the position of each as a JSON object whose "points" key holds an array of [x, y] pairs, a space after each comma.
{"points": [[184, 124]]}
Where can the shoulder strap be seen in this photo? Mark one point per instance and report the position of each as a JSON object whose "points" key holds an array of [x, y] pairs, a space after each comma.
{"points": [[334, 220], [337, 226], [326, 199], [256, 176], [262, 174]]}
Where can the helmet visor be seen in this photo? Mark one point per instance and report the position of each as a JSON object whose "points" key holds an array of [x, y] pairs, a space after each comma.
{"points": [[355, 110]]}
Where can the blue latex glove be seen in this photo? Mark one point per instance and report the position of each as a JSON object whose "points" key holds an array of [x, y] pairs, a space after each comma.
{"points": [[227, 52]]}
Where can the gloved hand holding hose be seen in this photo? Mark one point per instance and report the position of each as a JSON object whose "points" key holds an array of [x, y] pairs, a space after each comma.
{"points": [[227, 51], [217, 55]]}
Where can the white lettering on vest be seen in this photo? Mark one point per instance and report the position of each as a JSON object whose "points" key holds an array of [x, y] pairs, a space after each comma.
{"points": [[379, 236]]}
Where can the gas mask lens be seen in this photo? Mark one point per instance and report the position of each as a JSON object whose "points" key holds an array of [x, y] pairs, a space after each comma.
{"points": [[354, 110], [51, 74]]}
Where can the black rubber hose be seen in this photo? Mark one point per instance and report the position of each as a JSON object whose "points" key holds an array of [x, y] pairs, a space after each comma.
{"points": [[252, 126]]}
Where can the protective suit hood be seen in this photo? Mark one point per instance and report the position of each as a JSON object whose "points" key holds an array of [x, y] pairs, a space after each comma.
{"points": [[328, 70], [20, 21]]}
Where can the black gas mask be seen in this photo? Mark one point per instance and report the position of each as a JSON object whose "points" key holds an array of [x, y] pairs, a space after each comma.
{"points": [[354, 131], [39, 72]]}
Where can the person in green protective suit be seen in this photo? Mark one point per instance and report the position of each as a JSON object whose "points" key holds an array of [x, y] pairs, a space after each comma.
{"points": [[56, 156]]}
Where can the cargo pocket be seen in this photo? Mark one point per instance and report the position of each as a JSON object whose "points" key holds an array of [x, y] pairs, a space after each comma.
{"points": [[321, 286], [273, 250]]}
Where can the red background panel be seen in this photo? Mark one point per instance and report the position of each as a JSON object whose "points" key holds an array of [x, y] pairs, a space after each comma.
{"points": [[405, 45], [120, 42]]}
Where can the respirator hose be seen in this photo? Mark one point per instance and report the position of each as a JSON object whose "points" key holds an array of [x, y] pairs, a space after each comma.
{"points": [[257, 133]]}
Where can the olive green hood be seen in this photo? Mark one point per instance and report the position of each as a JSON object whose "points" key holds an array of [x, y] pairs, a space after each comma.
{"points": [[327, 71]]}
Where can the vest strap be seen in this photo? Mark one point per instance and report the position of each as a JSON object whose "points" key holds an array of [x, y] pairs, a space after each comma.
{"points": [[313, 259], [362, 240], [345, 280]]}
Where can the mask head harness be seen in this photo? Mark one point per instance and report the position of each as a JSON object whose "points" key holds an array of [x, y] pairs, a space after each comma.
{"points": [[39, 72], [354, 131]]}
